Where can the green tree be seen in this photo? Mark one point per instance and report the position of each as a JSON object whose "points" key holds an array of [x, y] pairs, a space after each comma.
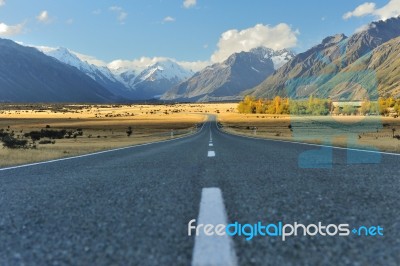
{"points": [[348, 109]]}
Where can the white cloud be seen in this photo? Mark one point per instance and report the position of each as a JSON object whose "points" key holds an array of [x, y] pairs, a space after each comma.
{"points": [[142, 63], [361, 10], [90, 59], [194, 65], [2, 2], [121, 14], [362, 28], [277, 37], [137, 65], [10, 30], [391, 9], [189, 3], [43, 17], [116, 8], [232, 41], [69, 21], [169, 19], [44, 49], [96, 12], [274, 37]]}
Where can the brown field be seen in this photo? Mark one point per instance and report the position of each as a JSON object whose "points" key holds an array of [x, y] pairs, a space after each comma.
{"points": [[344, 131], [104, 127]]}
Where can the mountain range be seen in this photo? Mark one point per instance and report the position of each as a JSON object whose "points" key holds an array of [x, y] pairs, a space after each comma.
{"points": [[156, 79], [363, 65], [225, 81], [27, 75], [129, 83], [340, 67]]}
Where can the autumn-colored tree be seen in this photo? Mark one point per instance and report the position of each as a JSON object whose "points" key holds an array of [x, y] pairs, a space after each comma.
{"points": [[336, 110], [247, 106], [260, 107], [365, 107], [396, 107], [382, 106], [314, 106], [390, 102], [277, 105]]}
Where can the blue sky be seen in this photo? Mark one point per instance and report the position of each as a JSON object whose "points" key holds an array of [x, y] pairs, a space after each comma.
{"points": [[186, 30]]}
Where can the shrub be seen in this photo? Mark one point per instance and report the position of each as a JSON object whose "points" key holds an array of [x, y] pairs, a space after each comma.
{"points": [[46, 133], [13, 143], [129, 131], [46, 141]]}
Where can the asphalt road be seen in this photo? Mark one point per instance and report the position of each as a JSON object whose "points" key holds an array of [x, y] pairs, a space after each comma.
{"points": [[132, 206]]}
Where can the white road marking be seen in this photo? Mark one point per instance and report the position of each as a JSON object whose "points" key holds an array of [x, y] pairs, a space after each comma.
{"points": [[96, 153], [211, 154], [210, 145], [213, 250]]}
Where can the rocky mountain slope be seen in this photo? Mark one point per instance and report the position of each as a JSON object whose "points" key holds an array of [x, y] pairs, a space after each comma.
{"points": [[226, 80], [324, 69], [27, 75]]}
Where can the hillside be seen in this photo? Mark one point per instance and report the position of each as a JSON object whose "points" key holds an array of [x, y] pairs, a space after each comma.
{"points": [[27, 75], [324, 70]]}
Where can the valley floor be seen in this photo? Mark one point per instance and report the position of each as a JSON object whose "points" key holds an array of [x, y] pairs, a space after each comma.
{"points": [[364, 132], [105, 127]]}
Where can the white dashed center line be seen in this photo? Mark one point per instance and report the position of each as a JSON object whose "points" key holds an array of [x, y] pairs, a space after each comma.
{"points": [[210, 144], [215, 249]]}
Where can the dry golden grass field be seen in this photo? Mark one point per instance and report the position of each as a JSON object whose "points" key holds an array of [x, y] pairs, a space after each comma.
{"points": [[363, 132], [104, 127]]}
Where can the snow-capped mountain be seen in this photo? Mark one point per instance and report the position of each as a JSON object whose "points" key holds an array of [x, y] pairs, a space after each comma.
{"points": [[100, 74], [148, 84], [153, 81], [27, 75], [279, 58], [227, 80], [168, 70], [126, 76], [66, 56]]}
